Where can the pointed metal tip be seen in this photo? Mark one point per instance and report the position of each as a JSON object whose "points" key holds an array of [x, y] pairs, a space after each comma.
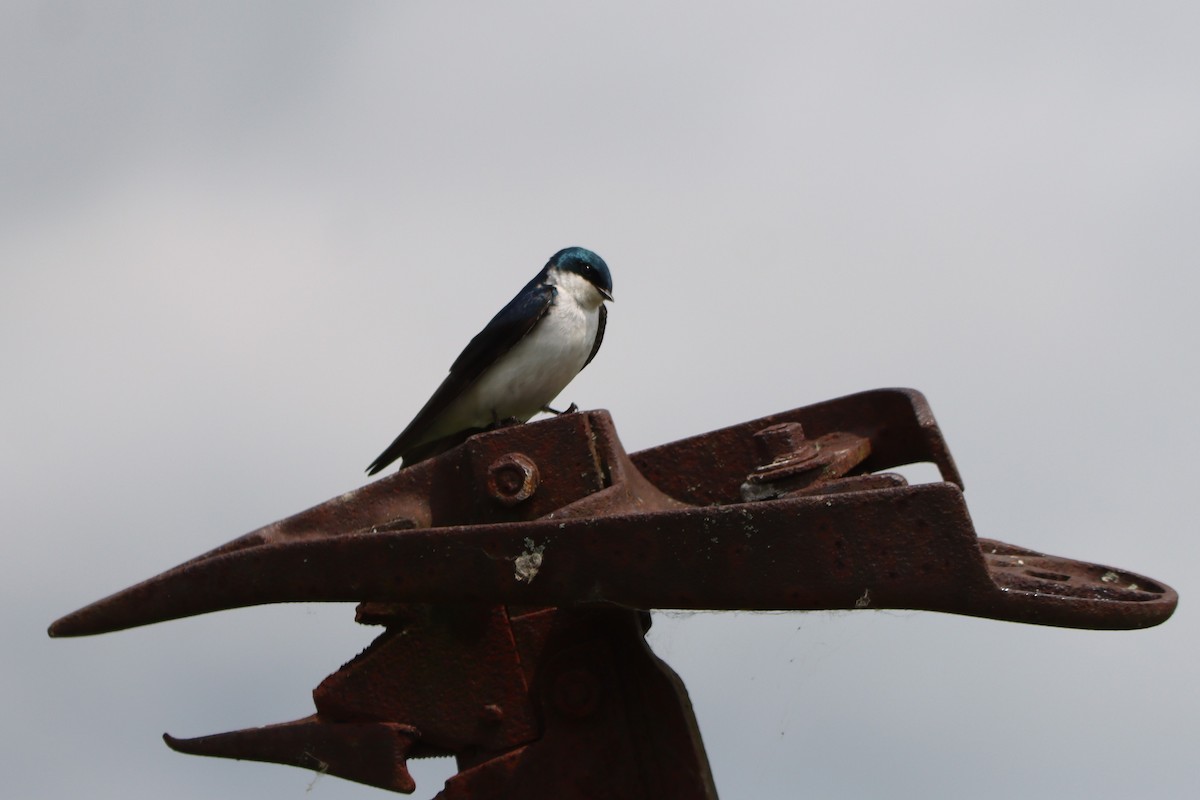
{"points": [[66, 626], [374, 753], [99, 617], [179, 745]]}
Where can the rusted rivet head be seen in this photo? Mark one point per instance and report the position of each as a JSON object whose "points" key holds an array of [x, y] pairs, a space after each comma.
{"points": [[576, 693], [783, 441], [492, 713], [512, 478]]}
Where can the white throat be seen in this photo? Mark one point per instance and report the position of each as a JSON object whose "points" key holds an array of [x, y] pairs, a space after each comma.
{"points": [[577, 288]]}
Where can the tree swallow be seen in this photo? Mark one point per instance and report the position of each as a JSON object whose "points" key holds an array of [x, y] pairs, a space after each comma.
{"points": [[519, 363]]}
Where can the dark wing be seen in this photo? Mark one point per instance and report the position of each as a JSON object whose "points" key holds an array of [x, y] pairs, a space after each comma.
{"points": [[599, 335], [506, 329]]}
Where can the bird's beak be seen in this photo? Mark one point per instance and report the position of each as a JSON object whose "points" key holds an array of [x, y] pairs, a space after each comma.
{"points": [[606, 295]]}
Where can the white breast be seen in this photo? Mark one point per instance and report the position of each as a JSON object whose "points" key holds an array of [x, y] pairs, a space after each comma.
{"points": [[535, 371]]}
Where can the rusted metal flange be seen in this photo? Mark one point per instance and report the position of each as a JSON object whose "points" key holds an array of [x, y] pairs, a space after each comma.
{"points": [[485, 566]]}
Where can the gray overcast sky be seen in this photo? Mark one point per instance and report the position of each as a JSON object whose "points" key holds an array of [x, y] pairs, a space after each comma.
{"points": [[240, 243]]}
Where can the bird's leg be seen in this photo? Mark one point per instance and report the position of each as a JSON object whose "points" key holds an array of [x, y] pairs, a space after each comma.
{"points": [[571, 409]]}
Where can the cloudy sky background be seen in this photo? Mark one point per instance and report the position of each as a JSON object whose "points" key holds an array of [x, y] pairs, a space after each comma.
{"points": [[240, 243]]}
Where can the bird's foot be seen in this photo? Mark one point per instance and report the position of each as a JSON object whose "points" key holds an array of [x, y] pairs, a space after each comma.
{"points": [[504, 423], [571, 409]]}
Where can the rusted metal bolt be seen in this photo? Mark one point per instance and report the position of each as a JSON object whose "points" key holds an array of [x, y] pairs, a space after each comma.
{"points": [[492, 713], [512, 478], [782, 442], [576, 693]]}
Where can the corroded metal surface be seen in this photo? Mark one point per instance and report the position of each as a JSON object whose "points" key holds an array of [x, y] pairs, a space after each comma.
{"points": [[485, 565]]}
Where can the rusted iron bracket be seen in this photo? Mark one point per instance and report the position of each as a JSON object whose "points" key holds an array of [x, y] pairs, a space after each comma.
{"points": [[511, 576]]}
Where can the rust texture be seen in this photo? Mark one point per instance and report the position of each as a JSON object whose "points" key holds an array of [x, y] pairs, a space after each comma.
{"points": [[511, 575]]}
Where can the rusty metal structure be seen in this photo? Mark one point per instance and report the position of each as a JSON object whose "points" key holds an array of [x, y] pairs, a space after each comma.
{"points": [[512, 575]]}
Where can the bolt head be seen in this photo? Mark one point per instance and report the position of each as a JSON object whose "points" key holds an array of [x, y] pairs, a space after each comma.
{"points": [[512, 478], [777, 442]]}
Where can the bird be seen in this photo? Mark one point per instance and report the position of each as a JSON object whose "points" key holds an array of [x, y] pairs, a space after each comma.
{"points": [[518, 363]]}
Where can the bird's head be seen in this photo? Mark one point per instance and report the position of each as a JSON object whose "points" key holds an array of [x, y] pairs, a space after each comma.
{"points": [[568, 266]]}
